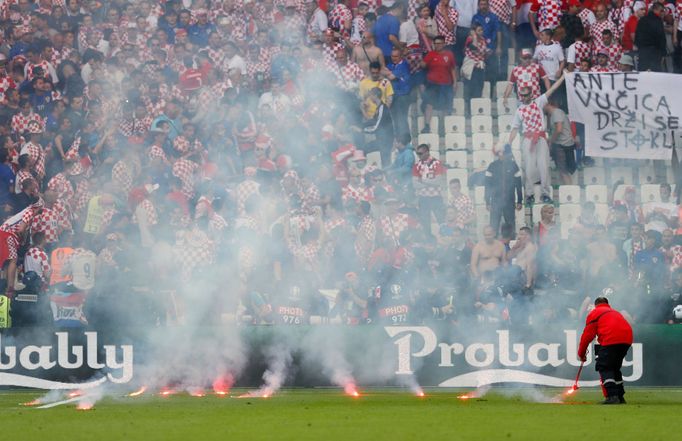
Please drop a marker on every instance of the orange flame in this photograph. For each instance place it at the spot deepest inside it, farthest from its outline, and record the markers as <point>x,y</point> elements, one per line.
<point>351,390</point>
<point>166,392</point>
<point>75,394</point>
<point>138,392</point>
<point>85,406</point>
<point>222,385</point>
<point>420,393</point>
<point>465,397</point>
<point>199,393</point>
<point>32,403</point>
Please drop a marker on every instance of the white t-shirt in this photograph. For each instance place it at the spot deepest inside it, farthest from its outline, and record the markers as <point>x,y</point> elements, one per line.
<point>666,210</point>
<point>81,265</point>
<point>319,22</point>
<point>235,62</point>
<point>550,57</point>
<point>408,33</point>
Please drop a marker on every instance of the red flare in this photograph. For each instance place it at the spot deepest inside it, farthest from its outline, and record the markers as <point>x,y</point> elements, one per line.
<point>85,406</point>
<point>32,403</point>
<point>199,393</point>
<point>351,390</point>
<point>166,392</point>
<point>420,393</point>
<point>222,385</point>
<point>138,392</point>
<point>260,393</point>
<point>74,394</point>
<point>464,397</point>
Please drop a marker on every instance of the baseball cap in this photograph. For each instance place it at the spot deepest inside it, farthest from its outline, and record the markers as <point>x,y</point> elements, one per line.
<point>602,52</point>
<point>626,60</point>
<point>526,53</point>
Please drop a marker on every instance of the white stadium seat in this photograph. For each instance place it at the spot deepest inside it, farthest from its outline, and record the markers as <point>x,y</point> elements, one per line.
<point>650,193</point>
<point>500,87</point>
<point>504,123</point>
<point>597,194</point>
<point>568,217</point>
<point>509,109</point>
<point>594,176</point>
<point>457,141</point>
<point>602,212</point>
<point>459,173</point>
<point>433,126</point>
<point>569,194</point>
<point>456,158</point>
<point>458,107</point>
<point>482,124</point>
<point>486,89</point>
<point>479,195</point>
<point>459,93</point>
<point>482,158</point>
<point>430,139</point>
<point>374,158</point>
<point>455,124</point>
<point>647,174</point>
<point>481,106</point>
<point>482,141</point>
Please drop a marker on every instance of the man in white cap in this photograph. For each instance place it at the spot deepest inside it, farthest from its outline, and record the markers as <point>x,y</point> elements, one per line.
<point>625,64</point>
<point>526,74</point>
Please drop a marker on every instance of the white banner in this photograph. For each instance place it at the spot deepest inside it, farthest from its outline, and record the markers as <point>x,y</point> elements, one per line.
<point>627,114</point>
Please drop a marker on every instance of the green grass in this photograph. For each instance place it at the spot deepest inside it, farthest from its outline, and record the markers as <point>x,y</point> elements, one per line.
<point>326,414</point>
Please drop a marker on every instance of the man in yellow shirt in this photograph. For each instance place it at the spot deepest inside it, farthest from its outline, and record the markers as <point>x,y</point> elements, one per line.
<point>375,79</point>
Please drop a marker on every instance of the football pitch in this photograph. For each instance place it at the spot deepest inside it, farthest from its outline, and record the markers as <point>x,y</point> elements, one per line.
<point>328,414</point>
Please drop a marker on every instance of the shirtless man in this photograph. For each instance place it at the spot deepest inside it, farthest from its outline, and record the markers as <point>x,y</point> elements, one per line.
<point>366,53</point>
<point>523,253</point>
<point>487,254</point>
<point>600,252</point>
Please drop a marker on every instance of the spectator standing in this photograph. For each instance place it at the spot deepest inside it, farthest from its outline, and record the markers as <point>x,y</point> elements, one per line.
<point>630,27</point>
<point>428,179</point>
<point>387,31</point>
<point>474,65</point>
<point>526,75</point>
<point>561,141</point>
<point>492,32</point>
<point>401,168</point>
<point>506,14</point>
<point>441,80</point>
<point>466,9</point>
<point>401,81</point>
<point>446,18</point>
<point>503,189</point>
<point>650,40</point>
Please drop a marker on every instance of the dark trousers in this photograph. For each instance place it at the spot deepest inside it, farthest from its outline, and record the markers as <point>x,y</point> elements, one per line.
<point>498,211</point>
<point>609,361</point>
<point>399,110</point>
<point>677,54</point>
<point>473,88</point>
<point>428,205</point>
<point>461,35</point>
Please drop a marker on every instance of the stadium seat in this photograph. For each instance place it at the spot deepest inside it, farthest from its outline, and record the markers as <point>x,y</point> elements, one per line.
<point>374,158</point>
<point>508,109</point>
<point>456,141</point>
<point>650,193</point>
<point>536,212</point>
<point>500,87</point>
<point>647,174</point>
<point>569,194</point>
<point>482,158</point>
<point>602,212</point>
<point>482,141</point>
<point>434,124</point>
<point>481,106</point>
<point>520,216</point>
<point>459,93</point>
<point>455,124</point>
<point>430,139</point>
<point>479,195</point>
<point>459,173</point>
<point>568,217</point>
<point>594,176</point>
<point>504,123</point>
<point>458,107</point>
<point>486,89</point>
<point>482,124</point>
<point>596,193</point>
<point>512,55</point>
<point>621,173</point>
<point>456,159</point>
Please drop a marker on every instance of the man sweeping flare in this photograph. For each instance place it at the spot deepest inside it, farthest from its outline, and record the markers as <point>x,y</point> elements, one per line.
<point>614,334</point>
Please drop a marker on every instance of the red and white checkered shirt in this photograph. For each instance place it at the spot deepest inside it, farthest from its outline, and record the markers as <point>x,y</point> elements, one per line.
<point>183,145</point>
<point>45,65</point>
<point>503,10</point>
<point>244,191</point>
<point>428,171</point>
<point>548,13</point>
<point>585,16</point>
<point>413,9</point>
<point>528,76</point>
<point>121,175</point>
<point>47,222</point>
<point>615,51</point>
<point>329,52</point>
<point>357,193</point>
<point>600,26</point>
<point>155,108</point>
<point>479,54</point>
<point>193,249</point>
<point>464,207</point>
<point>36,260</point>
<point>156,152</point>
<point>150,211</point>
<point>583,51</point>
<point>20,121</point>
<point>450,36</point>
<point>365,238</point>
<point>340,18</point>
<point>532,118</point>
<point>21,176</point>
<point>184,170</point>
<point>81,198</point>
<point>61,185</point>
<point>600,69</point>
<point>393,226</point>
<point>37,155</point>
<point>676,251</point>
<point>617,16</point>
<point>6,83</point>
<point>348,77</point>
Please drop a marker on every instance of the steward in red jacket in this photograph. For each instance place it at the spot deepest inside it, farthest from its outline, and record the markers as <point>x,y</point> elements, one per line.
<point>615,337</point>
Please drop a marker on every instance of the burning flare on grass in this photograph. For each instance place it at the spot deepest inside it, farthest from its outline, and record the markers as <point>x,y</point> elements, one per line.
<point>222,385</point>
<point>85,405</point>
<point>35,402</point>
<point>198,392</point>
<point>75,393</point>
<point>167,392</point>
<point>478,393</point>
<point>138,392</point>
<point>351,390</point>
<point>419,392</point>
<point>263,392</point>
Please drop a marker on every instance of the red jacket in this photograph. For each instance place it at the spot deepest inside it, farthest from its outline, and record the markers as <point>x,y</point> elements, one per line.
<point>608,325</point>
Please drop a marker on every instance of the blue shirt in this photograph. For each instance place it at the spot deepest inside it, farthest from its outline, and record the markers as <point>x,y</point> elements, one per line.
<point>401,84</point>
<point>6,183</point>
<point>198,34</point>
<point>385,26</point>
<point>404,160</point>
<point>491,26</point>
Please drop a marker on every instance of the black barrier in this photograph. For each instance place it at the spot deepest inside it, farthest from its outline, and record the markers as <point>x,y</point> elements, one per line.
<point>378,356</point>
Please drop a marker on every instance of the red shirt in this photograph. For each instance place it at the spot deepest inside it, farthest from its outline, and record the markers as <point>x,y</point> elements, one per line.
<point>628,30</point>
<point>439,67</point>
<point>608,325</point>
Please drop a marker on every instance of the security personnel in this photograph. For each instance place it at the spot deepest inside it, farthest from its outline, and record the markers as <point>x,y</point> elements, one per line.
<point>502,180</point>
<point>614,334</point>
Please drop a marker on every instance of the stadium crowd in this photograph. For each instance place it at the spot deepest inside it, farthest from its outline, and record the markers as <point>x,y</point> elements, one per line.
<point>269,154</point>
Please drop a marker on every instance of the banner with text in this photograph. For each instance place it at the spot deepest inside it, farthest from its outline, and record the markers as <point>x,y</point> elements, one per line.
<point>632,115</point>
